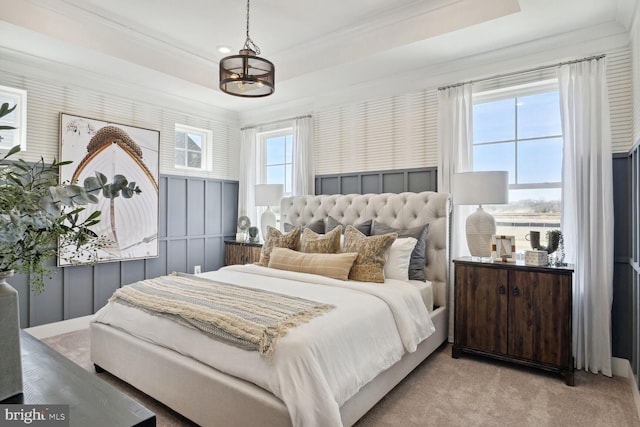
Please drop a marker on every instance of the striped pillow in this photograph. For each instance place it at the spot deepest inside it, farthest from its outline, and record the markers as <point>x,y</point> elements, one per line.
<point>336,266</point>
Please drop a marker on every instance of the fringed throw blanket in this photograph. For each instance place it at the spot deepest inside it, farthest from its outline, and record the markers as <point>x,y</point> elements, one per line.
<point>248,318</point>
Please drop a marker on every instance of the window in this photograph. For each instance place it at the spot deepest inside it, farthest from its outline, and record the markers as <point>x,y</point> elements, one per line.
<point>192,148</point>
<point>277,150</point>
<point>519,130</point>
<point>276,167</point>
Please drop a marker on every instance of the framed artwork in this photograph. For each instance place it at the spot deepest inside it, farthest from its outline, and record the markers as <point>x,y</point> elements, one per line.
<point>130,225</point>
<point>17,119</point>
<point>503,248</point>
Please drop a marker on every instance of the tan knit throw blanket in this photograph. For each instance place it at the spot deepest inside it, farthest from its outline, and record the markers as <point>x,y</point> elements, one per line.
<point>248,318</point>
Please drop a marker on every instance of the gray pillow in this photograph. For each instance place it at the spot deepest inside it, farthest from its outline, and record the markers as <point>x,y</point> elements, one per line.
<point>315,226</point>
<point>418,256</point>
<point>363,227</point>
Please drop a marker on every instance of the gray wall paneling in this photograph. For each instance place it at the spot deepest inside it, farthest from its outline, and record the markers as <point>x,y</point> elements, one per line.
<point>394,181</point>
<point>623,301</point>
<point>195,216</point>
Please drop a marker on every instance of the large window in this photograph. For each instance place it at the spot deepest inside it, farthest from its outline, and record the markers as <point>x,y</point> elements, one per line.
<point>276,167</point>
<point>278,158</point>
<point>519,130</point>
<point>192,148</point>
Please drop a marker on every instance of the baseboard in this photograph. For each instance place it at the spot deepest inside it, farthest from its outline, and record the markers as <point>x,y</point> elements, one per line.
<point>57,328</point>
<point>622,368</point>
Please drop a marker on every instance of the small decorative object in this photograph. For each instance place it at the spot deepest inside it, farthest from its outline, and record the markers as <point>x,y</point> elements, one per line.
<point>503,248</point>
<point>558,258</point>
<point>243,225</point>
<point>254,236</point>
<point>535,257</point>
<point>553,239</point>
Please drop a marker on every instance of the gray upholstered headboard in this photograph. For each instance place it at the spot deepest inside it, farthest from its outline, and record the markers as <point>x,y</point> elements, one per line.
<point>403,210</point>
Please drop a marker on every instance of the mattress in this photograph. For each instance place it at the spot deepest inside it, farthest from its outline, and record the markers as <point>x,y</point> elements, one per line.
<point>371,329</point>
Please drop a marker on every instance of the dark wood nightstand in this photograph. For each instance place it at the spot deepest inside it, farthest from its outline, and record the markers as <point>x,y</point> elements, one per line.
<point>241,252</point>
<point>515,312</point>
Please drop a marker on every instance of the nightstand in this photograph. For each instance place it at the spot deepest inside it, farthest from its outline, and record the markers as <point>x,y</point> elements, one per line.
<point>241,252</point>
<point>515,312</point>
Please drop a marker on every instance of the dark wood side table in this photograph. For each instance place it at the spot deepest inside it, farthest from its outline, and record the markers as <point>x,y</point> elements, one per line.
<point>241,252</point>
<point>515,312</point>
<point>50,378</point>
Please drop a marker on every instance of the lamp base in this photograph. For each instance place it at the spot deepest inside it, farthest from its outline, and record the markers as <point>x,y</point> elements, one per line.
<point>480,227</point>
<point>267,218</point>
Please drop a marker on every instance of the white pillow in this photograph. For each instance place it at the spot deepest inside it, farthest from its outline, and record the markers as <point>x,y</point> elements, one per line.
<point>398,257</point>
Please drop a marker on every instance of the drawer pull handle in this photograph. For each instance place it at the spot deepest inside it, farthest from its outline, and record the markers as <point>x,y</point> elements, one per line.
<point>516,291</point>
<point>502,290</point>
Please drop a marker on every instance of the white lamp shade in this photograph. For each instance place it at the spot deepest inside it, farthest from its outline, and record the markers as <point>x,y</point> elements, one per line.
<point>480,188</point>
<point>268,194</point>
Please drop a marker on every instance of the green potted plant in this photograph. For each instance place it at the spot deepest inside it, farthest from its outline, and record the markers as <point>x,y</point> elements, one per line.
<point>38,215</point>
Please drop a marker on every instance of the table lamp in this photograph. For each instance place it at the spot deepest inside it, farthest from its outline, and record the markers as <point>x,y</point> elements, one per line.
<point>480,188</point>
<point>268,195</point>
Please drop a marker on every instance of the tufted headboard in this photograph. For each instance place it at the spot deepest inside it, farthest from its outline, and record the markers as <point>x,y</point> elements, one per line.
<point>403,210</point>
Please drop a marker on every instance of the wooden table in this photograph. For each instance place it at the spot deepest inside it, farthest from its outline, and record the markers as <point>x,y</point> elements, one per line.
<point>49,378</point>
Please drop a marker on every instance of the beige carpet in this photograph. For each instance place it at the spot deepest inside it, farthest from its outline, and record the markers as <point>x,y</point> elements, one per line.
<point>443,391</point>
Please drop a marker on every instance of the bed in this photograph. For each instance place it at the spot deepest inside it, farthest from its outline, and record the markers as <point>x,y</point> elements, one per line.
<point>240,391</point>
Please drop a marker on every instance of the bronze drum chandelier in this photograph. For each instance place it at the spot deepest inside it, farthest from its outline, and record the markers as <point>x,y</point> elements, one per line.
<point>246,74</point>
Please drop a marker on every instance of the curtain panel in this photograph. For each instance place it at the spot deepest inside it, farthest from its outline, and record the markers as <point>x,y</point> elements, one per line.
<point>455,154</point>
<point>247,180</point>
<point>303,161</point>
<point>587,208</point>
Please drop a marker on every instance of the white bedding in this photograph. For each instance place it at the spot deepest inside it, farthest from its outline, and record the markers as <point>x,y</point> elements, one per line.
<point>317,366</point>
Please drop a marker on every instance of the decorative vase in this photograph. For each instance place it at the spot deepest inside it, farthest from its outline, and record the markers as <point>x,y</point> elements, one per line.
<point>10,356</point>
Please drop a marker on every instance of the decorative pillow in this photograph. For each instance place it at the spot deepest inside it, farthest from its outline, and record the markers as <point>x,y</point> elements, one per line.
<point>419,254</point>
<point>369,266</point>
<point>363,227</point>
<point>336,266</point>
<point>312,242</point>
<point>398,257</point>
<point>317,226</point>
<point>275,239</point>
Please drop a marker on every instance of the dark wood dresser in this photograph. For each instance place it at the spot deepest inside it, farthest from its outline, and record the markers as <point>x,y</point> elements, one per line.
<point>515,312</point>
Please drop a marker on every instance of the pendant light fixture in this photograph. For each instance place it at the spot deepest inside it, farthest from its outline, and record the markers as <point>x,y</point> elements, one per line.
<point>246,74</point>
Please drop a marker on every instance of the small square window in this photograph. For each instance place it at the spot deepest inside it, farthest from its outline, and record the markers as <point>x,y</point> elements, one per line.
<point>192,148</point>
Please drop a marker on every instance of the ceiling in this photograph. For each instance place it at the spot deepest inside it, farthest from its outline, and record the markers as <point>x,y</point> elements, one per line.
<point>318,47</point>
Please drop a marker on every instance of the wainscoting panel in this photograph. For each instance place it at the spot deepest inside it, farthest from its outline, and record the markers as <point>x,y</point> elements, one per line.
<point>394,181</point>
<point>195,215</point>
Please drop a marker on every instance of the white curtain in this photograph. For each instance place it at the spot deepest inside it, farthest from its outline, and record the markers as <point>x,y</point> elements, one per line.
<point>247,179</point>
<point>455,140</point>
<point>303,161</point>
<point>587,209</point>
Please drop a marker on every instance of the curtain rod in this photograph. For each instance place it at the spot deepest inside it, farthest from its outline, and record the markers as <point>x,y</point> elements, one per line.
<point>532,70</point>
<point>277,121</point>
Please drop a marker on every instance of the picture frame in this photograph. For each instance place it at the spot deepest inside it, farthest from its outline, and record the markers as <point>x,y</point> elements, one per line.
<point>17,119</point>
<point>131,225</point>
<point>503,248</point>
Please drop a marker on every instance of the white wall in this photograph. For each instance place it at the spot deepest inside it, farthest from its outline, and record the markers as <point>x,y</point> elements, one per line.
<point>53,88</point>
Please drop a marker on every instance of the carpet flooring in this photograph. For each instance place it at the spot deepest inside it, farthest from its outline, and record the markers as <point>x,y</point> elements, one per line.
<point>470,391</point>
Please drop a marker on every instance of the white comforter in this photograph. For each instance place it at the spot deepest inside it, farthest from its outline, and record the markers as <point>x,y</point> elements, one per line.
<point>317,366</point>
